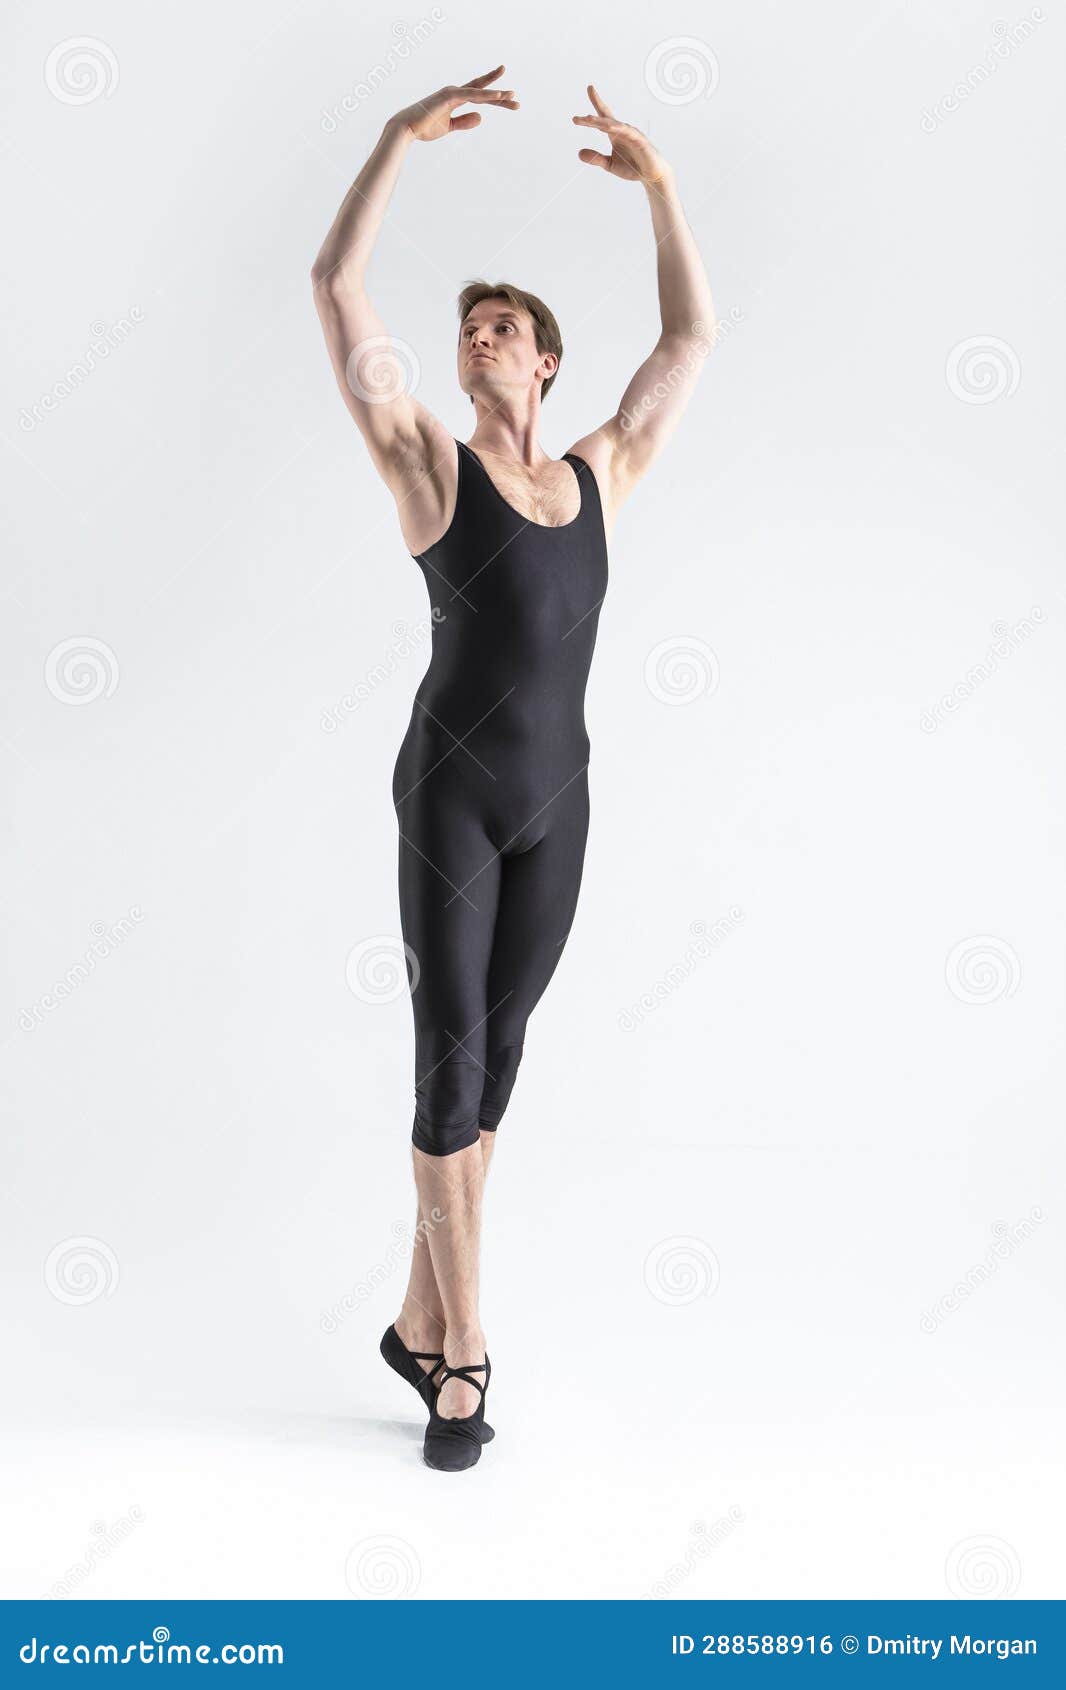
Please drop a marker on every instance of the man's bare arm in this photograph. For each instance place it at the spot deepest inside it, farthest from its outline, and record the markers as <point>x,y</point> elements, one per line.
<point>369,367</point>
<point>627,444</point>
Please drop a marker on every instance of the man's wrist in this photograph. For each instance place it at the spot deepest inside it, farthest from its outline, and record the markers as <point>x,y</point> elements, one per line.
<point>397,128</point>
<point>663,186</point>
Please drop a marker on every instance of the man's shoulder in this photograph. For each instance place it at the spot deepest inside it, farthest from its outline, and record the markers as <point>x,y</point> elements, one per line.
<point>596,449</point>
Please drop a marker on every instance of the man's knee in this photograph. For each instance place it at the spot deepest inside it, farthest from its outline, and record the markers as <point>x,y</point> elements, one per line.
<point>502,1065</point>
<point>447,1104</point>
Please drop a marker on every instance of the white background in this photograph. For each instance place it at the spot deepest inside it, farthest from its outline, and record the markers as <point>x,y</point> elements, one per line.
<point>831,1112</point>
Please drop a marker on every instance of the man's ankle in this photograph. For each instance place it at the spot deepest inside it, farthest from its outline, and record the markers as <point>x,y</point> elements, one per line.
<point>465,1347</point>
<point>419,1330</point>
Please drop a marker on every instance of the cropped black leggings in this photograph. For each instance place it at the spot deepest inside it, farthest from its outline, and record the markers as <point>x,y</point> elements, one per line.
<point>485,918</point>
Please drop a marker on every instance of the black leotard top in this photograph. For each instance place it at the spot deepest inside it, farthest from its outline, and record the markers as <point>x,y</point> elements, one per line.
<point>515,610</point>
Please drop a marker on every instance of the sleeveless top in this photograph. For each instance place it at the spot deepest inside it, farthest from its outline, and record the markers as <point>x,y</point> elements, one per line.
<point>515,607</point>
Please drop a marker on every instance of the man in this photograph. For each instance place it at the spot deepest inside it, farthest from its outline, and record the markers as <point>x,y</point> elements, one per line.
<point>490,787</point>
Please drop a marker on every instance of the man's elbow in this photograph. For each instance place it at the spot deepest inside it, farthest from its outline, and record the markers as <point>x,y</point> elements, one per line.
<point>330,281</point>
<point>322,274</point>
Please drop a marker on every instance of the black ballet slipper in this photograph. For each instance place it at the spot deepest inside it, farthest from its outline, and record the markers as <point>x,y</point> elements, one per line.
<point>405,1362</point>
<point>452,1445</point>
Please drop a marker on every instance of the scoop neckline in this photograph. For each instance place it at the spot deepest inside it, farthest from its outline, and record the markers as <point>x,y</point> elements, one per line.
<point>548,527</point>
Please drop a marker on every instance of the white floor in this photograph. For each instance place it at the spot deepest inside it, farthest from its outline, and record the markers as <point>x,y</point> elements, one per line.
<point>339,1505</point>
<point>764,1419</point>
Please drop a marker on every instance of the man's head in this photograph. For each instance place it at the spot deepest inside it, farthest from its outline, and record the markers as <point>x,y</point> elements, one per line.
<point>507,338</point>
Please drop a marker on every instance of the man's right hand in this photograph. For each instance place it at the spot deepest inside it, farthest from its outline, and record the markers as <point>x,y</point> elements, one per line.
<point>429,119</point>
<point>412,451</point>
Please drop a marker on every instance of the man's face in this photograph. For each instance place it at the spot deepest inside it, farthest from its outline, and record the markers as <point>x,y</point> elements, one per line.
<point>498,350</point>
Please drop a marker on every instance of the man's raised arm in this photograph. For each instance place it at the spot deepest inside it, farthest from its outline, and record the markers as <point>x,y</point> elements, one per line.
<point>369,368</point>
<point>625,446</point>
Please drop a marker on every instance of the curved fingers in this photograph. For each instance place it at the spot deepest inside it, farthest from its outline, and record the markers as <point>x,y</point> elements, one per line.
<point>484,96</point>
<point>486,77</point>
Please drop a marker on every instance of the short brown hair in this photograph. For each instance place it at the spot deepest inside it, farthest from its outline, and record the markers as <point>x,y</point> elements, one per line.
<point>545,328</point>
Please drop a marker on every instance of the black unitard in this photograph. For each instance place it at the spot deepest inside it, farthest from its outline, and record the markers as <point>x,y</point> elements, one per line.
<point>491,791</point>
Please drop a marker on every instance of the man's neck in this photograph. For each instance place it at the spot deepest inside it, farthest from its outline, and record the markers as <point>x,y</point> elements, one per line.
<point>509,431</point>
